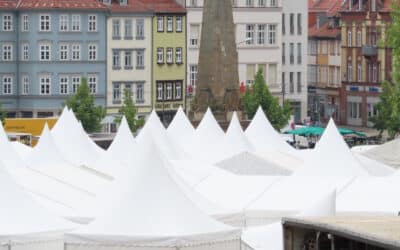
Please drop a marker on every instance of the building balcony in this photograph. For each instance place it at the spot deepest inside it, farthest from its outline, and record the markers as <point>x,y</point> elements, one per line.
<point>369,50</point>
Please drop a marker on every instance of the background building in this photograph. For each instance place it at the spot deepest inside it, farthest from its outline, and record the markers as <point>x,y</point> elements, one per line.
<point>365,63</point>
<point>258,40</point>
<point>294,51</point>
<point>324,60</point>
<point>46,48</point>
<point>129,64</point>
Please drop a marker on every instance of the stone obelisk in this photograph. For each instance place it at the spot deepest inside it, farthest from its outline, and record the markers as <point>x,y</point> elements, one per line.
<point>218,78</point>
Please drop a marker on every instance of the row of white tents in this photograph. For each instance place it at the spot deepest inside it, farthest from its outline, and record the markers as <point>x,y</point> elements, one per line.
<point>181,187</point>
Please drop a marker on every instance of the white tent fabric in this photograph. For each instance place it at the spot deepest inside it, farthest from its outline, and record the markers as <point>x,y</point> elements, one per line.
<point>10,158</point>
<point>235,140</point>
<point>22,150</point>
<point>24,222</point>
<point>370,196</point>
<point>163,216</point>
<point>180,130</point>
<point>362,148</point>
<point>247,163</point>
<point>373,167</point>
<point>388,153</point>
<point>47,159</point>
<point>331,157</point>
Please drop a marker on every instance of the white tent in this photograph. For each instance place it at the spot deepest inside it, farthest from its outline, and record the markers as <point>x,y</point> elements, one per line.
<point>235,140</point>
<point>22,150</point>
<point>373,167</point>
<point>371,196</point>
<point>180,130</point>
<point>153,213</point>
<point>47,159</point>
<point>388,153</point>
<point>24,224</point>
<point>331,157</point>
<point>10,158</point>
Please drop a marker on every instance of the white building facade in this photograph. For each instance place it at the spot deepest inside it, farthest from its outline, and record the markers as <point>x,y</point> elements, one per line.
<point>129,64</point>
<point>294,55</point>
<point>258,38</point>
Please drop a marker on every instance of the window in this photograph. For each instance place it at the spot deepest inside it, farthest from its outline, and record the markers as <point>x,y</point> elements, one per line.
<point>7,52</point>
<point>45,52</point>
<point>354,110</point>
<point>283,83</point>
<point>283,53</point>
<point>291,53</point>
<point>178,55</point>
<point>7,85</point>
<point>299,58</point>
<point>160,24</point>
<point>128,29</point>
<point>291,23</point>
<point>139,93</point>
<point>312,47</point>
<point>170,23</point>
<point>373,5</point>
<point>272,73</point>
<point>45,84</point>
<point>139,59</point>
<point>372,109</point>
<point>64,22</point>
<point>249,3</point>
<point>76,52</point>
<point>291,82</point>
<point>170,55</point>
<point>261,34</point>
<point>178,24</point>
<point>76,22</point>
<point>160,55</point>
<point>283,24</point>
<point>261,3</point>
<point>92,80</point>
<point>116,60</point>
<point>44,23</point>
<point>359,38</point>
<point>324,47</point>
<point>359,72</point>
<point>349,38</point>
<point>299,82</point>
<point>64,52</point>
<point>92,23</point>
<point>25,85</point>
<point>168,94</point>
<point>178,90</point>
<point>128,60</point>
<point>250,71</point>
<point>140,29</point>
<point>273,3</point>
<point>324,74</point>
<point>7,23</point>
<point>193,3</point>
<point>299,30</point>
<point>116,93</point>
<point>116,29</point>
<point>25,23</point>
<point>250,34</point>
<point>193,75</point>
<point>160,92</point>
<point>349,72</point>
<point>374,73</point>
<point>63,85</point>
<point>76,80</point>
<point>25,52</point>
<point>92,52</point>
<point>272,34</point>
<point>194,35</point>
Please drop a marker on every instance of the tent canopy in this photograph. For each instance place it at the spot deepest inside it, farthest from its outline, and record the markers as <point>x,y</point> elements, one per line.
<point>318,131</point>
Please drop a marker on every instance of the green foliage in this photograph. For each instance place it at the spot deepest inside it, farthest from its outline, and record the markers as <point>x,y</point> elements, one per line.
<point>388,109</point>
<point>82,103</point>
<point>259,95</point>
<point>129,110</point>
<point>3,114</point>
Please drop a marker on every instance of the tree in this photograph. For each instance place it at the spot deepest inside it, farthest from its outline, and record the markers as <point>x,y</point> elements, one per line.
<point>82,103</point>
<point>2,114</point>
<point>388,109</point>
<point>129,110</point>
<point>259,95</point>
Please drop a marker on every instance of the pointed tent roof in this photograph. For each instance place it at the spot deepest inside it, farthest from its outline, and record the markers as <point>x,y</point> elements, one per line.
<point>323,206</point>
<point>235,139</point>
<point>180,130</point>
<point>388,153</point>
<point>22,150</point>
<point>20,216</point>
<point>140,204</point>
<point>341,160</point>
<point>9,156</point>
<point>209,126</point>
<point>373,167</point>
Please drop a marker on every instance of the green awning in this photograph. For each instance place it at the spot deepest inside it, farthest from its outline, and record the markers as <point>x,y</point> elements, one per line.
<point>318,131</point>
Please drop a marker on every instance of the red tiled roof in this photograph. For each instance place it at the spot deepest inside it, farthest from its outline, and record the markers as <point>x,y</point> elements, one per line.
<point>61,4</point>
<point>324,32</point>
<point>331,7</point>
<point>8,4</point>
<point>387,5</point>
<point>164,6</point>
<point>133,6</point>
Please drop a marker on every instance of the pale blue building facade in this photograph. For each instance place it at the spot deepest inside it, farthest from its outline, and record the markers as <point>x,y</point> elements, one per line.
<point>51,50</point>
